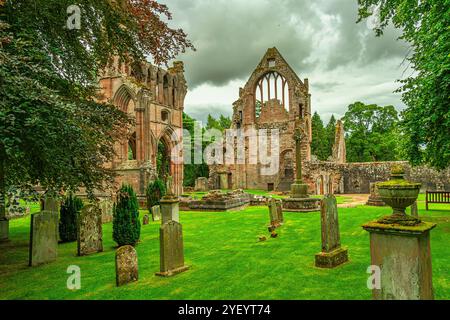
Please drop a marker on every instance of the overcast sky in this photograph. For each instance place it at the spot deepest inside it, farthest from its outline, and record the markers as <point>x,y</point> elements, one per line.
<point>320,39</point>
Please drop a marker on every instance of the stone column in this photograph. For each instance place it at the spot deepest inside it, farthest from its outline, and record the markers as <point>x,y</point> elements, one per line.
<point>415,210</point>
<point>404,256</point>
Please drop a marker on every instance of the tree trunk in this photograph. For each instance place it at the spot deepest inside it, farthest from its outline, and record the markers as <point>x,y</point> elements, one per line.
<point>4,223</point>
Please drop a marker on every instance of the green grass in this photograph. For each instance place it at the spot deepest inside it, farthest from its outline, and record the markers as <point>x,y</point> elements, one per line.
<point>226,259</point>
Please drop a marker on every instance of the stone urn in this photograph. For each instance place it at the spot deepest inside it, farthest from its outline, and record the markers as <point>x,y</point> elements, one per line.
<point>399,194</point>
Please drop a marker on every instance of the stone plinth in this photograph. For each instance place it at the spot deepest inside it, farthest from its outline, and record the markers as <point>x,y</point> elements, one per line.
<point>301,205</point>
<point>217,201</point>
<point>299,191</point>
<point>374,198</point>
<point>171,249</point>
<point>332,255</point>
<point>43,238</point>
<point>404,256</point>
<point>126,265</point>
<point>169,210</point>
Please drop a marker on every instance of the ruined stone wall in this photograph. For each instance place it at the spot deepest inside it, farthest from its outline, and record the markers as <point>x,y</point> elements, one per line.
<point>155,98</point>
<point>323,177</point>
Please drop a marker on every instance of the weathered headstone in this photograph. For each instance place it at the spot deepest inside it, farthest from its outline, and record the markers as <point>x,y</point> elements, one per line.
<point>332,254</point>
<point>50,204</point>
<point>90,238</point>
<point>106,206</point>
<point>156,213</point>
<point>273,214</point>
<point>171,249</point>
<point>414,210</point>
<point>43,238</point>
<point>145,220</point>
<point>201,184</point>
<point>280,215</point>
<point>126,265</point>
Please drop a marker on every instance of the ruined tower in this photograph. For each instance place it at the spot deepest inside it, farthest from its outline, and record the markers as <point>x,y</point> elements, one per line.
<point>274,97</point>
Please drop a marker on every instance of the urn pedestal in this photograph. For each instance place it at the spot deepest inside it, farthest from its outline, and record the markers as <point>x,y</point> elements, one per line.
<point>404,257</point>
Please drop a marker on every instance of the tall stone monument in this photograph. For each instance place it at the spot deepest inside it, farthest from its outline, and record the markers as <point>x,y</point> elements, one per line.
<point>332,253</point>
<point>400,244</point>
<point>169,204</point>
<point>299,200</point>
<point>90,238</point>
<point>126,265</point>
<point>171,249</point>
<point>43,238</point>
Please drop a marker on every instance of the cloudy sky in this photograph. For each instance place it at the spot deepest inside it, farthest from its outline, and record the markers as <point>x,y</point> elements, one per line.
<point>320,39</point>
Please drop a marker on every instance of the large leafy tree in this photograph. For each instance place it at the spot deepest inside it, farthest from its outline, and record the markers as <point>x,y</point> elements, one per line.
<point>53,132</point>
<point>426,120</point>
<point>371,133</point>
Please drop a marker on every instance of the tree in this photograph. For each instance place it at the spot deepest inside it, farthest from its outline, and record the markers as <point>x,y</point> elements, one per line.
<point>330,132</point>
<point>155,191</point>
<point>53,131</point>
<point>192,170</point>
<point>68,218</point>
<point>126,224</point>
<point>319,143</point>
<point>371,133</point>
<point>426,120</point>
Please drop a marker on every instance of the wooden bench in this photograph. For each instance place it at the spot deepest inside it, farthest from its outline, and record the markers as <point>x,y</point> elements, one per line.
<point>437,197</point>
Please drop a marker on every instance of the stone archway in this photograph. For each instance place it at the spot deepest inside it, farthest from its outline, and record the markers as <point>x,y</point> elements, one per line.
<point>169,159</point>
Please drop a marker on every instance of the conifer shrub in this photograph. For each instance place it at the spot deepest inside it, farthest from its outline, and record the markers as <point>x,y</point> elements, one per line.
<point>126,224</point>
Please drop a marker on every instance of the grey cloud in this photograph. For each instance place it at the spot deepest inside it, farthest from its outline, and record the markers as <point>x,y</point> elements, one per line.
<point>231,36</point>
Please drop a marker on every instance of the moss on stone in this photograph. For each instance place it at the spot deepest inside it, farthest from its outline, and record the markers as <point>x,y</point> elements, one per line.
<point>398,184</point>
<point>421,227</point>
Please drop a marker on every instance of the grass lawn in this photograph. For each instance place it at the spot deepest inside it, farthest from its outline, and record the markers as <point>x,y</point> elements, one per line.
<point>226,259</point>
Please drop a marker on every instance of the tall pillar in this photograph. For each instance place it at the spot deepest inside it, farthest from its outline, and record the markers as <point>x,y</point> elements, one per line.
<point>4,223</point>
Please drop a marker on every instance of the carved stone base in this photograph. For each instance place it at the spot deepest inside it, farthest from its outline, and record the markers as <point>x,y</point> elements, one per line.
<point>173,272</point>
<point>331,259</point>
<point>375,202</point>
<point>301,205</point>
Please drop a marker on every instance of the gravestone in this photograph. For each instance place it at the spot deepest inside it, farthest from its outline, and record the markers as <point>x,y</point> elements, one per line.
<point>126,265</point>
<point>145,220</point>
<point>156,213</point>
<point>201,184</point>
<point>106,206</point>
<point>171,249</point>
<point>50,204</point>
<point>275,213</point>
<point>90,238</point>
<point>332,254</point>
<point>43,238</point>
<point>280,215</point>
<point>414,210</point>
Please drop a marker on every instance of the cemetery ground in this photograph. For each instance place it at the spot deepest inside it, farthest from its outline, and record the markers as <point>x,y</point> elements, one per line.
<point>226,258</point>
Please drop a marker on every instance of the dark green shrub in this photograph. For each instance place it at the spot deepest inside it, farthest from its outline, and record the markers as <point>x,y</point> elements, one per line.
<point>155,191</point>
<point>126,224</point>
<point>68,218</point>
